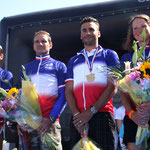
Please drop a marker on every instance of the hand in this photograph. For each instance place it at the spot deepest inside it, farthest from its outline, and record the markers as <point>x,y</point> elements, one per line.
<point>82,118</point>
<point>140,121</point>
<point>144,109</point>
<point>44,126</point>
<point>80,129</point>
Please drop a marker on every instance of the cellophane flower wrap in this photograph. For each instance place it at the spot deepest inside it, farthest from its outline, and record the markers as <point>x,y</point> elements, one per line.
<point>22,106</point>
<point>136,82</point>
<point>85,143</point>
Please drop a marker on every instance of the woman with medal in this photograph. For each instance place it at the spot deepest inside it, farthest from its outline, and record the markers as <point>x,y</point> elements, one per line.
<point>88,91</point>
<point>133,118</point>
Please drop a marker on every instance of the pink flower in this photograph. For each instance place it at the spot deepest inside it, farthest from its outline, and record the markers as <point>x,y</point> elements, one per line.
<point>134,75</point>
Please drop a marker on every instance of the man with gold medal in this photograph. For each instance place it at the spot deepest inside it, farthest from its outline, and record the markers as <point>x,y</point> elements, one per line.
<point>88,91</point>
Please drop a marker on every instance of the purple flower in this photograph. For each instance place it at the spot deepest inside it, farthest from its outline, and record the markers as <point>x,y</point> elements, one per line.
<point>134,75</point>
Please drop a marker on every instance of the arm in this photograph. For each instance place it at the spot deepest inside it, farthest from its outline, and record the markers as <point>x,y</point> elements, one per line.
<point>118,124</point>
<point>144,112</point>
<point>86,115</point>
<point>126,101</point>
<point>70,98</point>
<point>109,92</point>
<point>144,109</point>
<point>71,101</point>
<point>61,101</point>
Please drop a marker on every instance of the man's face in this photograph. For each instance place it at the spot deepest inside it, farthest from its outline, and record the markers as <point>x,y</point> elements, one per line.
<point>89,33</point>
<point>41,44</point>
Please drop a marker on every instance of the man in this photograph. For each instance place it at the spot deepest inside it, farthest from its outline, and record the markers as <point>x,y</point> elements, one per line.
<point>48,77</point>
<point>6,75</point>
<point>88,92</point>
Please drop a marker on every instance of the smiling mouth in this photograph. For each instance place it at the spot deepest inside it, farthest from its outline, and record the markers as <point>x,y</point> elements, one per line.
<point>88,37</point>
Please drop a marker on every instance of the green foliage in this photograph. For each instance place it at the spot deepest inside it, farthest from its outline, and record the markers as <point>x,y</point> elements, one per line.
<point>6,81</point>
<point>24,73</point>
<point>135,54</point>
<point>138,55</point>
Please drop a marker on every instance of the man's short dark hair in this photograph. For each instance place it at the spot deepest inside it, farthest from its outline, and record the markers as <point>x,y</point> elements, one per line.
<point>89,19</point>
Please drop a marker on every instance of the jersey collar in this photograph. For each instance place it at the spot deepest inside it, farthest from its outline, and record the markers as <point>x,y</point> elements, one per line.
<point>47,56</point>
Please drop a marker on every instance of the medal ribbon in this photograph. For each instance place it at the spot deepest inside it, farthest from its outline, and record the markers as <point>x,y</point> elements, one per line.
<point>90,66</point>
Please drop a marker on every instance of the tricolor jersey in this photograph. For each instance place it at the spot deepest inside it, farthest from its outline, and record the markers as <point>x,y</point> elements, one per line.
<point>128,56</point>
<point>87,93</point>
<point>48,76</point>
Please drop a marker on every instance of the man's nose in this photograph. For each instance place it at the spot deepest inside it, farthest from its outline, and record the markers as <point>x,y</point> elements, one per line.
<point>88,32</point>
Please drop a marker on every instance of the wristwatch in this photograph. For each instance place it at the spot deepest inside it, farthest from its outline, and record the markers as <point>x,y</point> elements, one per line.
<point>52,119</point>
<point>94,110</point>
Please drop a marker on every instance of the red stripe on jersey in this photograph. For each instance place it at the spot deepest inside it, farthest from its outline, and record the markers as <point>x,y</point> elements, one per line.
<point>46,104</point>
<point>92,93</point>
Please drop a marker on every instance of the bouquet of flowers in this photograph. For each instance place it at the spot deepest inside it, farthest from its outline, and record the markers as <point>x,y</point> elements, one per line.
<point>22,106</point>
<point>85,143</point>
<point>136,82</point>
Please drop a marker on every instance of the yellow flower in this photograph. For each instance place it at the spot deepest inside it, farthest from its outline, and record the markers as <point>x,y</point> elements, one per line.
<point>13,92</point>
<point>145,68</point>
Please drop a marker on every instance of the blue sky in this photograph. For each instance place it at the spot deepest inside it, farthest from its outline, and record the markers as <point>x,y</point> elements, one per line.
<point>17,7</point>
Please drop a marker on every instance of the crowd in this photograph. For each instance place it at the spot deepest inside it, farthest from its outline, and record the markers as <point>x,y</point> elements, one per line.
<point>86,89</point>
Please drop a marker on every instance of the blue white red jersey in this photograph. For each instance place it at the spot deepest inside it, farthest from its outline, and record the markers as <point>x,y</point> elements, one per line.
<point>48,76</point>
<point>87,93</point>
<point>128,56</point>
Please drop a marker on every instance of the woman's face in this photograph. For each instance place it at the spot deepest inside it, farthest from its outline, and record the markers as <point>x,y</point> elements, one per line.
<point>137,26</point>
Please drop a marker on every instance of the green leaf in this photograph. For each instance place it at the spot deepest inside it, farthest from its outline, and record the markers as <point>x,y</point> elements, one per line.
<point>135,55</point>
<point>24,73</point>
<point>117,72</point>
<point>6,81</point>
<point>3,92</point>
<point>141,51</point>
<point>143,34</point>
<point>118,75</point>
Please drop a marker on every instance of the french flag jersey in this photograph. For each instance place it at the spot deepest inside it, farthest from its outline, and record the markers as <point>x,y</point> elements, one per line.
<point>48,76</point>
<point>87,93</point>
<point>128,56</point>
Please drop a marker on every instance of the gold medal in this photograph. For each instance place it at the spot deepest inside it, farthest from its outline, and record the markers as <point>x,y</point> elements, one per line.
<point>90,77</point>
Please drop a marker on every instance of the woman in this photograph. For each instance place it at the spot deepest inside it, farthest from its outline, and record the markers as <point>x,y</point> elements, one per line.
<point>133,117</point>
<point>4,75</point>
